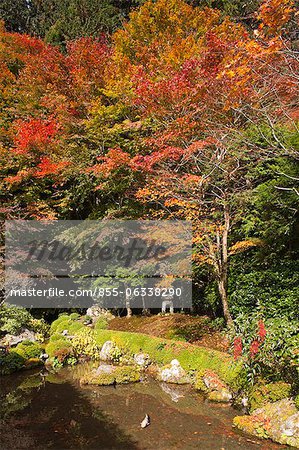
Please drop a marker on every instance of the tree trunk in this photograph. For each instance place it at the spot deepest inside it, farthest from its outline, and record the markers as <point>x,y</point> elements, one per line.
<point>223,295</point>
<point>222,248</point>
<point>128,306</point>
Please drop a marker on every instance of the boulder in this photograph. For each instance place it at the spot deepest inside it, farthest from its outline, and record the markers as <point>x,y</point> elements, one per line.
<point>11,340</point>
<point>142,359</point>
<point>106,375</point>
<point>209,382</point>
<point>95,312</point>
<point>278,421</point>
<point>222,396</point>
<point>109,351</point>
<point>173,373</point>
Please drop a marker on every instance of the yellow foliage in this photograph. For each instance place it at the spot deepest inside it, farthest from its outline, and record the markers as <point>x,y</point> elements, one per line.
<point>242,246</point>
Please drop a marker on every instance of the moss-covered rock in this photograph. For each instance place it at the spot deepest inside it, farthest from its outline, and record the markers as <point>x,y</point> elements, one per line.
<point>126,374</point>
<point>222,396</point>
<point>28,349</point>
<point>32,362</point>
<point>278,421</point>
<point>107,375</point>
<point>209,382</point>
<point>268,393</point>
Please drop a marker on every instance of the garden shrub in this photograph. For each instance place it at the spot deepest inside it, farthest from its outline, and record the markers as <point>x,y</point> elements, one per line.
<point>53,346</point>
<point>28,349</point>
<point>84,344</point>
<point>275,290</point>
<point>11,362</point>
<point>101,324</point>
<point>274,354</point>
<point>13,319</point>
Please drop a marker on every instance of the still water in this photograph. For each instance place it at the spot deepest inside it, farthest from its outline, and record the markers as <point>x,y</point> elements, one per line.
<point>51,410</point>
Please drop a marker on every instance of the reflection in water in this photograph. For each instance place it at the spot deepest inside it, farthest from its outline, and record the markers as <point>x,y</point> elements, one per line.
<point>58,413</point>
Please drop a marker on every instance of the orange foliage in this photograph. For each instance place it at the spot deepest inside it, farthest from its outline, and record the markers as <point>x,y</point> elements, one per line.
<point>274,14</point>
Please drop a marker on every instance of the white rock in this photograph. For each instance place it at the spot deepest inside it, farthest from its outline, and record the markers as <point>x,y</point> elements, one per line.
<point>142,359</point>
<point>173,374</point>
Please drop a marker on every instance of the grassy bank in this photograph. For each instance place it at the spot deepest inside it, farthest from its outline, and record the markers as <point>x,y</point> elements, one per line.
<point>87,341</point>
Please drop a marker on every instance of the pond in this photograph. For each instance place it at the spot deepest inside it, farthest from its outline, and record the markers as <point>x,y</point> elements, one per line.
<point>42,410</point>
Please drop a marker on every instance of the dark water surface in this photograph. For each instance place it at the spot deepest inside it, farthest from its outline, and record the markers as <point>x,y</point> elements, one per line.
<point>55,412</point>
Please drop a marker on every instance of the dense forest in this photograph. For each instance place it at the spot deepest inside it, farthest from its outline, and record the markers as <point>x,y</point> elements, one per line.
<point>167,109</point>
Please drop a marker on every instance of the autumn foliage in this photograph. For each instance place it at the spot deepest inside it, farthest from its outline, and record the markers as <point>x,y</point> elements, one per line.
<point>161,114</point>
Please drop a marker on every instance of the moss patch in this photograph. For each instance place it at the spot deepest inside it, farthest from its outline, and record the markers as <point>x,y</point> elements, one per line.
<point>163,351</point>
<point>253,425</point>
<point>88,341</point>
<point>28,349</point>
<point>119,375</point>
<point>268,393</point>
<point>58,345</point>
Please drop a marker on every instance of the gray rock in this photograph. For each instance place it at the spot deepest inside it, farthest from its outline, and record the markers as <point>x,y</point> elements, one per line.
<point>12,341</point>
<point>291,426</point>
<point>95,312</point>
<point>108,351</point>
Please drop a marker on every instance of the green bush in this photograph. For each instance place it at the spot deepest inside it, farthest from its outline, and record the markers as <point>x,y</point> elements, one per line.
<point>28,349</point>
<point>101,324</point>
<point>276,355</point>
<point>40,326</point>
<point>13,319</point>
<point>60,344</point>
<point>74,316</point>
<point>268,393</point>
<point>84,344</point>
<point>11,362</point>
